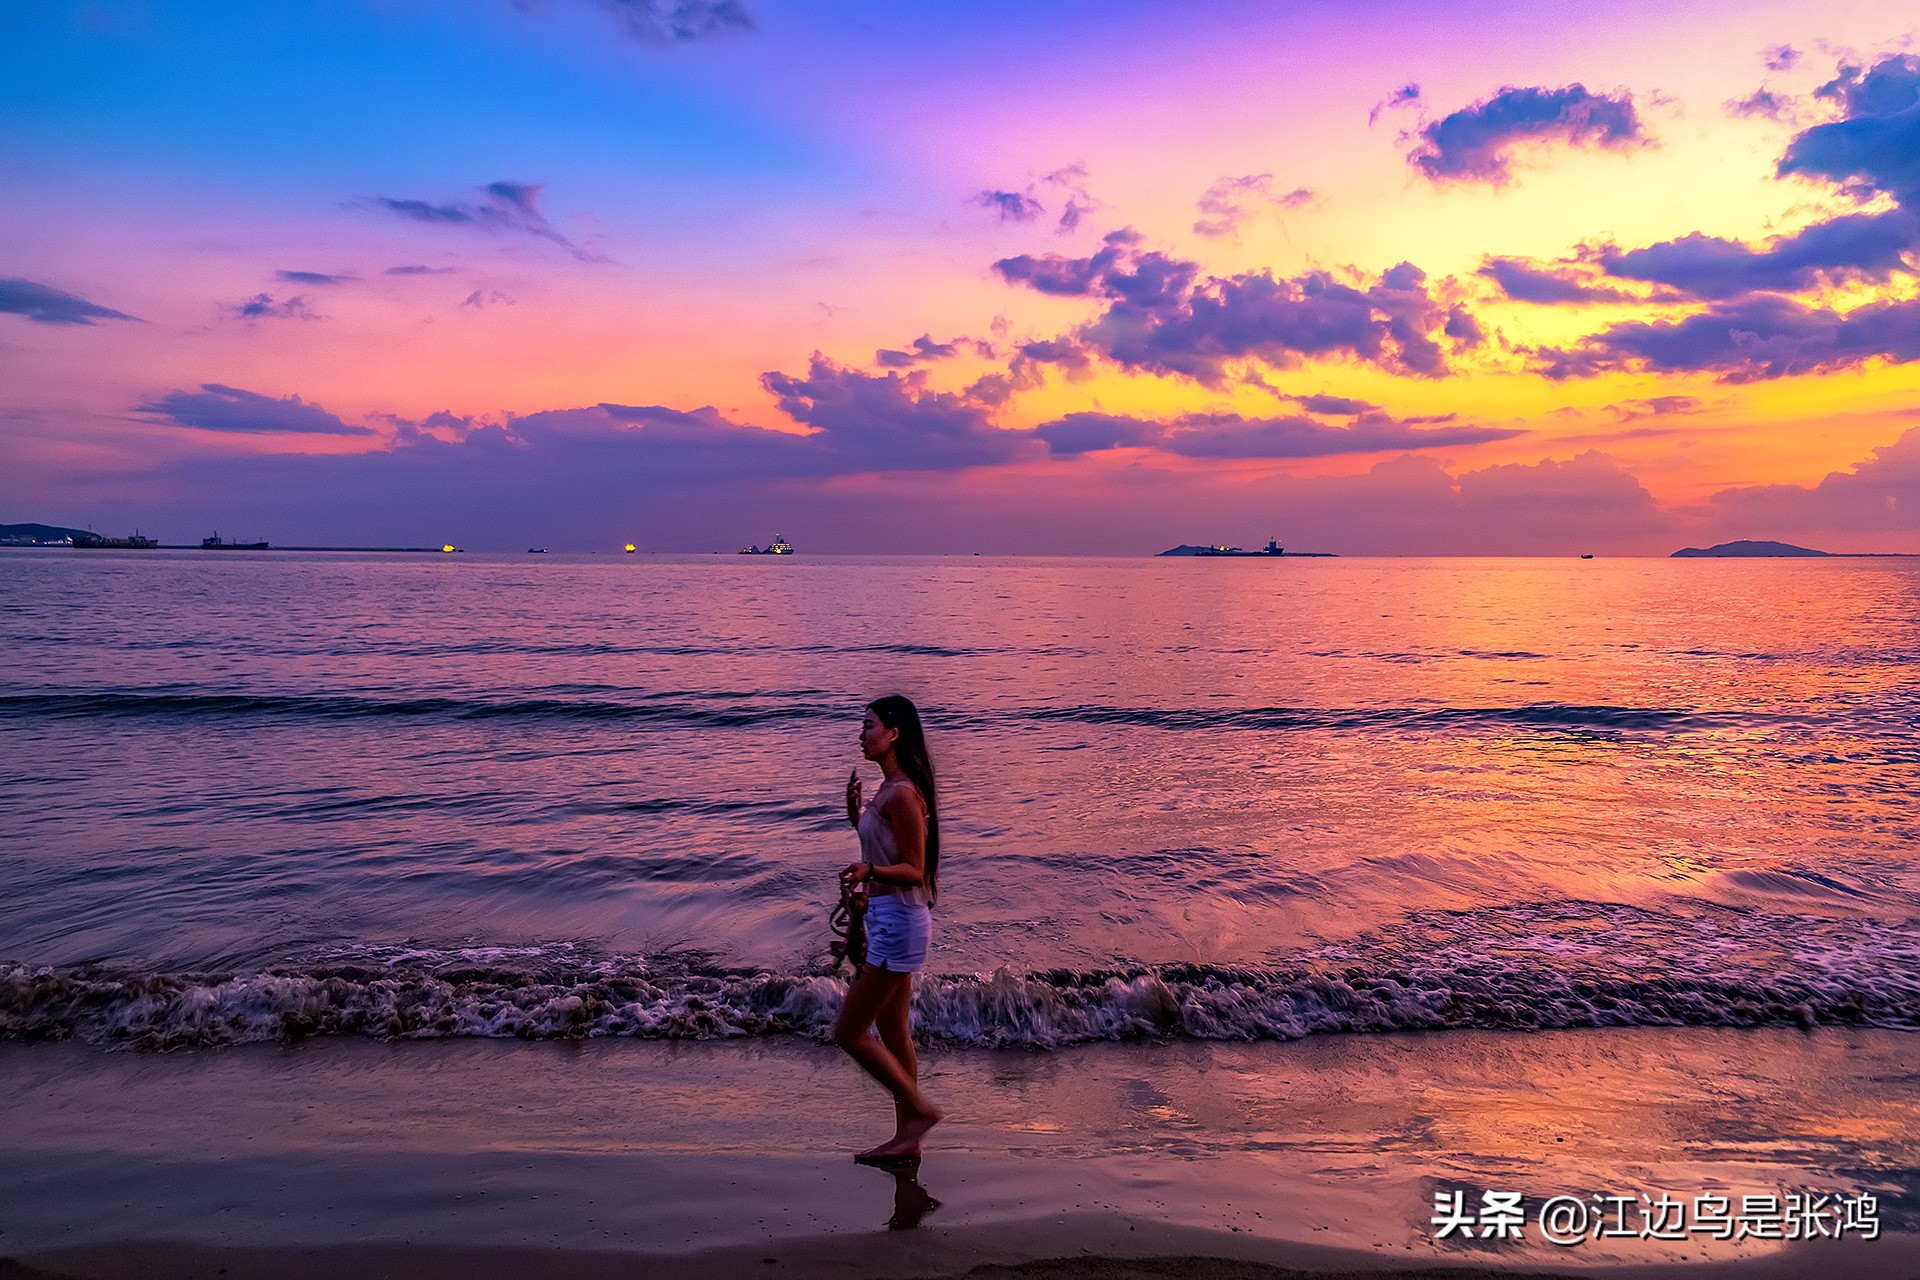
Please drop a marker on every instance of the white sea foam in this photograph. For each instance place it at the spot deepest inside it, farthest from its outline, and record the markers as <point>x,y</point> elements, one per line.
<point>1517,968</point>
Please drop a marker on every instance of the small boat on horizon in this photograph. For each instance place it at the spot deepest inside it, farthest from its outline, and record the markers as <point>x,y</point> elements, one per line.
<point>778,547</point>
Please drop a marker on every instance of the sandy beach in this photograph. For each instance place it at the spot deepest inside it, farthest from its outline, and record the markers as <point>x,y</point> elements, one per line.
<point>491,1159</point>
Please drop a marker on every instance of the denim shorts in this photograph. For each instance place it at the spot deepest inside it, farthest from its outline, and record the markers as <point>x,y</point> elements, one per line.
<point>897,934</point>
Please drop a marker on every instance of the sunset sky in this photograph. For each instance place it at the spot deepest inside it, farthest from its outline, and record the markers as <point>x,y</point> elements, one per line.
<point>1390,278</point>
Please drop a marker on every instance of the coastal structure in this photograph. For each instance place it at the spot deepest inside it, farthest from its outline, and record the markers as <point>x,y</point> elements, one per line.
<point>778,547</point>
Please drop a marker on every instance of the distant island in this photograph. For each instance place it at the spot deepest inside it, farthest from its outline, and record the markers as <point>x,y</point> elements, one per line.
<point>41,535</point>
<point>1757,550</point>
<point>1747,548</point>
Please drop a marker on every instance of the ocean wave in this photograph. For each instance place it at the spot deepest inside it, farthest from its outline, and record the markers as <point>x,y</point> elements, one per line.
<point>1546,716</point>
<point>414,993</point>
<point>521,647</point>
<point>752,710</point>
<point>321,706</point>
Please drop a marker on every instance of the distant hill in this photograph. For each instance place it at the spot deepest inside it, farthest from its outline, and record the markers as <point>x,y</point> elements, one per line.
<point>34,535</point>
<point>1185,550</point>
<point>1747,548</point>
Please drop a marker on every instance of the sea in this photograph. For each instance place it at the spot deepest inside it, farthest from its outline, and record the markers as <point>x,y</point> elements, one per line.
<point>266,797</point>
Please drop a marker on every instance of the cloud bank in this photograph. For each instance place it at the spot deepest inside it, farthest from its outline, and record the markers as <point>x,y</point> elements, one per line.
<point>1162,318</point>
<point>219,408</point>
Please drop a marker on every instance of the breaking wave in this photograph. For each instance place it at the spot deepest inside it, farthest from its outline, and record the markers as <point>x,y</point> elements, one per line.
<point>1857,974</point>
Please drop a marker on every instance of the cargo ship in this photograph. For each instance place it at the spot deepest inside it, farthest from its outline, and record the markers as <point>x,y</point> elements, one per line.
<point>1273,548</point>
<point>217,543</point>
<point>132,542</point>
<point>778,547</point>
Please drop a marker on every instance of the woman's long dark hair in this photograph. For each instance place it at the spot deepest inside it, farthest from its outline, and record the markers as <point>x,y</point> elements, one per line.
<point>910,749</point>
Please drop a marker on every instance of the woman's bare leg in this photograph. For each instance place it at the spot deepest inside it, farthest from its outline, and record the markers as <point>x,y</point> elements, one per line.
<point>867,995</point>
<point>895,1025</point>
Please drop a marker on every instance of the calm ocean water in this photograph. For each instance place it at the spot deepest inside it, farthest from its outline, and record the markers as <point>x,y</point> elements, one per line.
<point>254,796</point>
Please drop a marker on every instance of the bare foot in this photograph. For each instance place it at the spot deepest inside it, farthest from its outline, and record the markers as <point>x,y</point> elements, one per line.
<point>907,1141</point>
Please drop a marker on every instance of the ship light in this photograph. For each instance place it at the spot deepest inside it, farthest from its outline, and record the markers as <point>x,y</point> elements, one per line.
<point>447,547</point>
<point>630,548</point>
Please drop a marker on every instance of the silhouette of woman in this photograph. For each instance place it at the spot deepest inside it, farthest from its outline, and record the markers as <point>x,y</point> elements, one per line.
<point>899,864</point>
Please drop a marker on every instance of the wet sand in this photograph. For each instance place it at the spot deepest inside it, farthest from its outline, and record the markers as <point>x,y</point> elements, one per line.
<point>488,1159</point>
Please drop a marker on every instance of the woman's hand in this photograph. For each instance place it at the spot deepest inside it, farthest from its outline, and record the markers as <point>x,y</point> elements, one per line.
<point>854,873</point>
<point>853,797</point>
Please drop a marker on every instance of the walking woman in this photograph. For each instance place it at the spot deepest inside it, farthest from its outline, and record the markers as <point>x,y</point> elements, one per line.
<point>899,865</point>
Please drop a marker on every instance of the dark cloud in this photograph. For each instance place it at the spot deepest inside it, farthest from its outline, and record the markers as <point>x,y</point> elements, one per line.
<point>1068,182</point>
<point>1861,246</point>
<point>218,408</point>
<point>1782,57</point>
<point>1748,339</point>
<point>1071,181</point>
<point>1228,435</point>
<point>1464,327</point>
<point>1549,284</point>
<point>1405,96</point>
<point>1341,405</point>
<point>890,422</point>
<point>1027,369</point>
<point>924,348</point>
<point>1079,433</point>
<point>43,304</point>
<point>1656,407</point>
<point>313,277</point>
<point>481,299</point>
<point>655,445</point>
<point>503,207</point>
<point>1876,146</point>
<point>1762,103</point>
<point>1886,88</point>
<point>1231,202</point>
<point>1161,318</point>
<point>668,22</point>
<point>1068,277</point>
<point>1475,144</point>
<point>262,306</point>
<point>418,271</point>
<point>1011,206</point>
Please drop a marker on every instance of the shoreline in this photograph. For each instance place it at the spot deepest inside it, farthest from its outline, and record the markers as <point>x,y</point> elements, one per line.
<point>1079,1248</point>
<point>483,1160</point>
